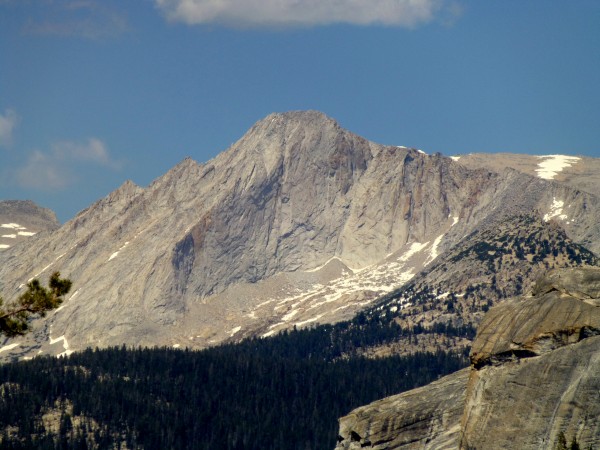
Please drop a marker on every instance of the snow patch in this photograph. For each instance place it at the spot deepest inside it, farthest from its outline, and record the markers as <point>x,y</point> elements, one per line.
<point>376,280</point>
<point>9,347</point>
<point>67,350</point>
<point>433,252</point>
<point>555,210</point>
<point>4,246</point>
<point>421,151</point>
<point>176,345</point>
<point>26,233</point>
<point>46,268</point>
<point>12,225</point>
<point>455,158</point>
<point>235,330</point>
<point>114,255</point>
<point>551,165</point>
<point>9,236</point>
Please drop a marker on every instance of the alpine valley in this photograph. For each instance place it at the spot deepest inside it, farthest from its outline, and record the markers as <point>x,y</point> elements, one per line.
<point>302,226</point>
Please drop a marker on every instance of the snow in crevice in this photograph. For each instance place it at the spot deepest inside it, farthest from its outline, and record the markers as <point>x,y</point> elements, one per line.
<point>9,347</point>
<point>115,254</point>
<point>433,252</point>
<point>46,268</point>
<point>68,300</point>
<point>556,210</point>
<point>67,350</point>
<point>235,330</point>
<point>551,165</point>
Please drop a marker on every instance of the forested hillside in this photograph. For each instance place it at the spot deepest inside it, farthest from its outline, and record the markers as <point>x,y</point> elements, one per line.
<point>280,393</point>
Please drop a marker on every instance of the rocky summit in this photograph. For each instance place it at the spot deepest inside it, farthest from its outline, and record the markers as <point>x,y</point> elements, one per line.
<point>533,377</point>
<point>300,222</point>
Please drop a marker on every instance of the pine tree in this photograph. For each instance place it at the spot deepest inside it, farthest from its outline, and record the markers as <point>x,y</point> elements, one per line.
<point>35,301</point>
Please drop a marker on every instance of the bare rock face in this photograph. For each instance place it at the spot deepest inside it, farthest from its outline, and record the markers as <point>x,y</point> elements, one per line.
<point>299,222</point>
<point>534,374</point>
<point>427,417</point>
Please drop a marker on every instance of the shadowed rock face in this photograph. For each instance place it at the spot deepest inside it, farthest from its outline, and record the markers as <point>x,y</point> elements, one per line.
<point>535,373</point>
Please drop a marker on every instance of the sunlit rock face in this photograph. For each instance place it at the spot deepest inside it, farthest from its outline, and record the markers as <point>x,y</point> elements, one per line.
<point>299,222</point>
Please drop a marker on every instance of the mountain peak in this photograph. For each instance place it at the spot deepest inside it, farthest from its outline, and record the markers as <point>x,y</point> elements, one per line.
<point>299,116</point>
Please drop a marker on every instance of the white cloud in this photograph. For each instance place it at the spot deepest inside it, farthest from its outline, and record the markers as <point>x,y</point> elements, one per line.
<point>88,19</point>
<point>42,171</point>
<point>93,151</point>
<point>8,122</point>
<point>302,13</point>
<point>55,169</point>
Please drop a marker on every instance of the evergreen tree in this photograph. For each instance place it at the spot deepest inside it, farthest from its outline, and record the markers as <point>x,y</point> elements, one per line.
<point>36,300</point>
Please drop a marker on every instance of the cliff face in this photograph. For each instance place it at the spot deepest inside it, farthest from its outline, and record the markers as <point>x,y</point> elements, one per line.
<point>299,222</point>
<point>534,374</point>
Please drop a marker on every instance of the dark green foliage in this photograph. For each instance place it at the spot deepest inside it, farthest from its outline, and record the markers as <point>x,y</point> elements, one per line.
<point>36,300</point>
<point>285,392</point>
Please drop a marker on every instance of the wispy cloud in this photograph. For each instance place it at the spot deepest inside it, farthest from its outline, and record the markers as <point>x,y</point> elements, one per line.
<point>89,19</point>
<point>56,169</point>
<point>8,122</point>
<point>303,13</point>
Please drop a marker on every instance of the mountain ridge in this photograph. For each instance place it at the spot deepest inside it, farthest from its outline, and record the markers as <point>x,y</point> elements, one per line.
<point>299,222</point>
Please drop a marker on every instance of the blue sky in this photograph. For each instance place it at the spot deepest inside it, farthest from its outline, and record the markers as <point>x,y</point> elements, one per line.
<point>95,92</point>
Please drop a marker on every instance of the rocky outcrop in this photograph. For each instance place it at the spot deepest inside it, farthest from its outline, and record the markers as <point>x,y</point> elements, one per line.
<point>534,374</point>
<point>427,417</point>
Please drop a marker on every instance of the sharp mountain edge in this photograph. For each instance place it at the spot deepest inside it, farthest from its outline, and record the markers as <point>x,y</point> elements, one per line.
<point>299,222</point>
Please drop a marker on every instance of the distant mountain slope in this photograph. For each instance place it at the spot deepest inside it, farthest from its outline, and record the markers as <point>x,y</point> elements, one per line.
<point>20,219</point>
<point>490,265</point>
<point>300,222</point>
<point>580,172</point>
